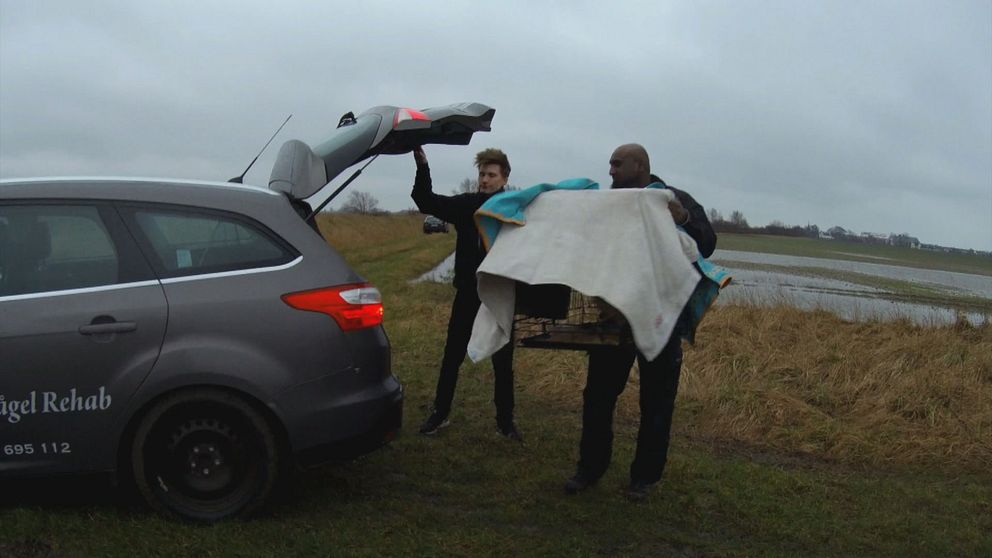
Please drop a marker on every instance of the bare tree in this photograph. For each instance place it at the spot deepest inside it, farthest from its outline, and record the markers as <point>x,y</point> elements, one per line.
<point>467,185</point>
<point>715,216</point>
<point>737,218</point>
<point>361,202</point>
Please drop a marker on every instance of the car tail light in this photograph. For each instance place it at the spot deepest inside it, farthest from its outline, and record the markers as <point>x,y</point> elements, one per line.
<point>354,306</point>
<point>404,114</point>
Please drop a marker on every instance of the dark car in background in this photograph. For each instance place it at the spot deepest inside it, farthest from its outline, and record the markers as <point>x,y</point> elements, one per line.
<point>197,338</point>
<point>434,225</point>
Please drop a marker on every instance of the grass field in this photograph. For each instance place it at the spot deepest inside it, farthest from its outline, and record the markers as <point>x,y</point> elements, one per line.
<point>796,434</point>
<point>870,253</point>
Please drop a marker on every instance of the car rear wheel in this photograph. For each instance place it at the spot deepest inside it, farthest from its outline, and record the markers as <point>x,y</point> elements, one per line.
<point>205,455</point>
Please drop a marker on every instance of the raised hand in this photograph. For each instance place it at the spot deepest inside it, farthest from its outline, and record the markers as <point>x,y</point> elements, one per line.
<point>419,156</point>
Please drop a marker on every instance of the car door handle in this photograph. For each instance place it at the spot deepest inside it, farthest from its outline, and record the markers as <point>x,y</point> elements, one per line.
<point>112,327</point>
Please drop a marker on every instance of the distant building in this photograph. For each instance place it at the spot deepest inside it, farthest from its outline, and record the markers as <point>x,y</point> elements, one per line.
<point>904,240</point>
<point>874,238</point>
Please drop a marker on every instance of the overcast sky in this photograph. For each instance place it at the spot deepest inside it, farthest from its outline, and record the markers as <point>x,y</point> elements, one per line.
<point>874,116</point>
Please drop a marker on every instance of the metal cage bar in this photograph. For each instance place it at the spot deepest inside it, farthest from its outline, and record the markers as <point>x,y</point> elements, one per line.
<point>588,323</point>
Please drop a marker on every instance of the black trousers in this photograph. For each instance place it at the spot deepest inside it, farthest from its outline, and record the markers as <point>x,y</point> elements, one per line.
<point>609,369</point>
<point>463,311</point>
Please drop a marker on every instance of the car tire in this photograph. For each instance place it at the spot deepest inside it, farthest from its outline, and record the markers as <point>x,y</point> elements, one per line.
<point>205,455</point>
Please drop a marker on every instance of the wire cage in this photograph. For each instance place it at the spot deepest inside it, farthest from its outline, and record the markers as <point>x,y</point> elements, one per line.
<point>557,317</point>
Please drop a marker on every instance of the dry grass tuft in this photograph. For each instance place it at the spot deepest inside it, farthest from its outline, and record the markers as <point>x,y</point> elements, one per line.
<point>790,381</point>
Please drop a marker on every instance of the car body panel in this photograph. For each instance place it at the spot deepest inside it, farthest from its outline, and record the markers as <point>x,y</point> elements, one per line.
<point>60,352</point>
<point>47,360</point>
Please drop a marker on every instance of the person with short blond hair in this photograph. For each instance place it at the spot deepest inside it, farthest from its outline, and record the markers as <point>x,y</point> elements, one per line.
<point>459,210</point>
<point>493,156</point>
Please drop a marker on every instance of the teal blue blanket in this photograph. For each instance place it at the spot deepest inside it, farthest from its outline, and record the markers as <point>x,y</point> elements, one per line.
<point>508,207</point>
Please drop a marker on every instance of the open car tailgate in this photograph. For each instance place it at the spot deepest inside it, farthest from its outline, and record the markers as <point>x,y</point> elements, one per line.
<point>300,171</point>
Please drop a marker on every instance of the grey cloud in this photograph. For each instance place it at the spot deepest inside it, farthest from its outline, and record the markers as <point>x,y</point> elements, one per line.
<point>875,116</point>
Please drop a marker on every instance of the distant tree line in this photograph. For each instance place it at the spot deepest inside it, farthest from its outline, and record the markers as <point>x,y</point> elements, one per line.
<point>737,223</point>
<point>366,204</point>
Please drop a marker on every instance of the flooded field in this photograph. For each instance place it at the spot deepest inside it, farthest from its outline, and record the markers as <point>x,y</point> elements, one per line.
<point>978,285</point>
<point>850,289</point>
<point>927,297</point>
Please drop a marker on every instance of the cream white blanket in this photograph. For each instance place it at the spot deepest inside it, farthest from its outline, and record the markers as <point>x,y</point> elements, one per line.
<point>619,245</point>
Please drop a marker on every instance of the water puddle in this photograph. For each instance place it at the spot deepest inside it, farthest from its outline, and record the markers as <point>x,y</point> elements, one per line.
<point>443,273</point>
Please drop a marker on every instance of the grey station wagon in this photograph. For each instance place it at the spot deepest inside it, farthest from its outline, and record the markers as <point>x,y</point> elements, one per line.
<point>197,338</point>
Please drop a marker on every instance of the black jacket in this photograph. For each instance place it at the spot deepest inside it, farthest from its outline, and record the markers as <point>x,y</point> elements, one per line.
<point>698,227</point>
<point>457,210</point>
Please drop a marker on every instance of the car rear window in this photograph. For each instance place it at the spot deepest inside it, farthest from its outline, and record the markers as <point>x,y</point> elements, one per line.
<point>188,243</point>
<point>54,248</point>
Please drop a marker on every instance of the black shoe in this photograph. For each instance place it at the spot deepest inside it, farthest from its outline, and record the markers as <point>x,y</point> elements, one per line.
<point>578,483</point>
<point>509,431</point>
<point>435,422</point>
<point>638,491</point>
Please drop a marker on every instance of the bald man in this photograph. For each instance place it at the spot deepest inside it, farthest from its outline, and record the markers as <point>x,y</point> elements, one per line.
<point>609,367</point>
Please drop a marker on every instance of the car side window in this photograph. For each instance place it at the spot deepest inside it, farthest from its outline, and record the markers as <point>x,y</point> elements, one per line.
<point>188,243</point>
<point>54,248</point>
